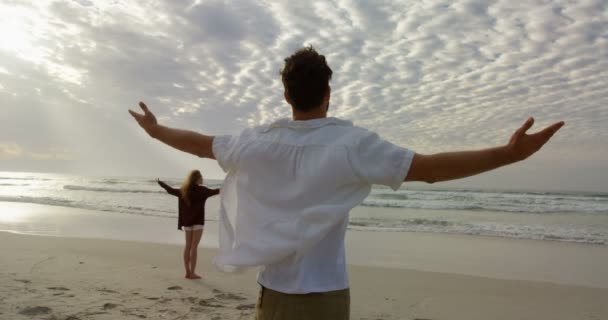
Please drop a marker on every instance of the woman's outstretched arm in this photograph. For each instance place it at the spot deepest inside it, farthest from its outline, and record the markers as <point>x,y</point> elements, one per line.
<point>168,188</point>
<point>208,192</point>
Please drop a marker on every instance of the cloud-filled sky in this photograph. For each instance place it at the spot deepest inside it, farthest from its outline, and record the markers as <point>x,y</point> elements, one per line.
<point>428,75</point>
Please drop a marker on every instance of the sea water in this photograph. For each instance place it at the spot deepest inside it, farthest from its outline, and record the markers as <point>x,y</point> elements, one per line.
<point>552,216</point>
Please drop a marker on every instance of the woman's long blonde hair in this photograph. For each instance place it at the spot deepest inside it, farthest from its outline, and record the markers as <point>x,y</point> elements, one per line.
<point>190,181</point>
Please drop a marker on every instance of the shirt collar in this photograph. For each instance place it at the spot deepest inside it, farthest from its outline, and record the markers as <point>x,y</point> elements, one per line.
<point>306,124</point>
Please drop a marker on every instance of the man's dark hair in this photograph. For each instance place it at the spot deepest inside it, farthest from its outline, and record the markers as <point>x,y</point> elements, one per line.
<point>306,78</point>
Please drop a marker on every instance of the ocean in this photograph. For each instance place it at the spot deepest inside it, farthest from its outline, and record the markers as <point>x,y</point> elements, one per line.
<point>550,216</point>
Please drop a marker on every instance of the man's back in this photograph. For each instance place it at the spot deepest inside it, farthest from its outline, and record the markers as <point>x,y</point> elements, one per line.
<point>291,184</point>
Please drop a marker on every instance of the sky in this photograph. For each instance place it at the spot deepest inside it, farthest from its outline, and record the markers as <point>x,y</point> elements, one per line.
<point>431,76</point>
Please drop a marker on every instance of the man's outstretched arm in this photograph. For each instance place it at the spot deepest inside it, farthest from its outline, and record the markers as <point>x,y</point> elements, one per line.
<point>455,165</point>
<point>184,140</point>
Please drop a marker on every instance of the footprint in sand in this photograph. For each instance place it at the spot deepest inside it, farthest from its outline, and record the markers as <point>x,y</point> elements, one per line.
<point>105,290</point>
<point>61,289</point>
<point>198,309</point>
<point>109,306</point>
<point>23,281</point>
<point>190,299</point>
<point>210,303</point>
<point>167,311</point>
<point>246,307</point>
<point>174,288</point>
<point>128,312</point>
<point>230,296</point>
<point>35,311</point>
<point>94,313</point>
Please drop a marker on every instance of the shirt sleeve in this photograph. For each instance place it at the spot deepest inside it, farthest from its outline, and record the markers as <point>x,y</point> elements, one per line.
<point>208,192</point>
<point>224,150</point>
<point>377,161</point>
<point>169,189</point>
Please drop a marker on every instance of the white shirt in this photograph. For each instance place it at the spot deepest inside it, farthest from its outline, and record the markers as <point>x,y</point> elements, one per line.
<point>289,188</point>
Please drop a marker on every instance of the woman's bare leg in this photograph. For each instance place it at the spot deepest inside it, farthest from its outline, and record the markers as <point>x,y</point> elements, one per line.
<point>187,253</point>
<point>196,238</point>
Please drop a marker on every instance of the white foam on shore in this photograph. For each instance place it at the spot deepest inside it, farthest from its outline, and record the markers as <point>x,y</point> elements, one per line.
<point>510,214</point>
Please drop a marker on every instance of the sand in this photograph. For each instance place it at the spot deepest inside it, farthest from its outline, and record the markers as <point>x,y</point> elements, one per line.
<point>393,276</point>
<point>68,278</point>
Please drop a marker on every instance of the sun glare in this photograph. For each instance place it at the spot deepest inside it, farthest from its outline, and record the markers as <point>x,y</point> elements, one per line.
<point>14,212</point>
<point>22,34</point>
<point>17,29</point>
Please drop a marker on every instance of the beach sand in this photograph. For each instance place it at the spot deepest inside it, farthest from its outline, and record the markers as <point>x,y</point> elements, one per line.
<point>59,277</point>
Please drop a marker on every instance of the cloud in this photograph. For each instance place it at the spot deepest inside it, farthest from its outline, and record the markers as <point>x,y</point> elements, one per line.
<point>432,76</point>
<point>13,150</point>
<point>10,150</point>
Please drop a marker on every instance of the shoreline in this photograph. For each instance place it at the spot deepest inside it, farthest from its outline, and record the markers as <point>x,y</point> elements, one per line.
<point>491,257</point>
<point>45,210</point>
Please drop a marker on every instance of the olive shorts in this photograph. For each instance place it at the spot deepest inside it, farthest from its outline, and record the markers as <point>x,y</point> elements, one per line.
<point>274,305</point>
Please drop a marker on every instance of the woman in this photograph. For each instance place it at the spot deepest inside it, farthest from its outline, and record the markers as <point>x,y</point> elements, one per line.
<point>192,197</point>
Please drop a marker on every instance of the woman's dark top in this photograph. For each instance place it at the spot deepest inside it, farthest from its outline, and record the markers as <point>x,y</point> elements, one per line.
<point>194,213</point>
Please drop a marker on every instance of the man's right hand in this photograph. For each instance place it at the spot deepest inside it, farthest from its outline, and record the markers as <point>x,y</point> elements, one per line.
<point>147,120</point>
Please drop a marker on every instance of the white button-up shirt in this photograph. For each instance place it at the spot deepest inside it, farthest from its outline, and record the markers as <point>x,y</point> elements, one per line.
<point>287,194</point>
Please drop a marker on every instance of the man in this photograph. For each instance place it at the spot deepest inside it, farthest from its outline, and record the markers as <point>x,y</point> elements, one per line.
<point>291,184</point>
